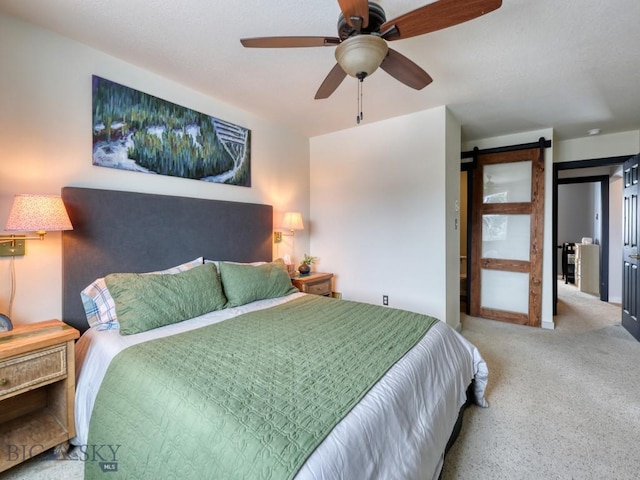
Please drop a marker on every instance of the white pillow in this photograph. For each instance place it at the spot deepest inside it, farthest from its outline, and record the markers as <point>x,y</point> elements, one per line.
<point>217,262</point>
<point>99,306</point>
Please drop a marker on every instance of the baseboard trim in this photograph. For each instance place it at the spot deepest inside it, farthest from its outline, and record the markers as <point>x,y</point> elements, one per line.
<point>548,325</point>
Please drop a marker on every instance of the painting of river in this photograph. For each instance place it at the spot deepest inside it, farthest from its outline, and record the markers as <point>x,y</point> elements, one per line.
<point>139,132</point>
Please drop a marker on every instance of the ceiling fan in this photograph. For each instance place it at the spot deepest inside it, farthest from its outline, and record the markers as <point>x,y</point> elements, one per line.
<point>363,32</point>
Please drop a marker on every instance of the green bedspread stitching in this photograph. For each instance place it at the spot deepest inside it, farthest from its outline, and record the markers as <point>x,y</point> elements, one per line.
<point>248,398</point>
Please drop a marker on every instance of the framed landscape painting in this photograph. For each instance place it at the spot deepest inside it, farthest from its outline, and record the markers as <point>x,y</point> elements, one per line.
<point>139,132</point>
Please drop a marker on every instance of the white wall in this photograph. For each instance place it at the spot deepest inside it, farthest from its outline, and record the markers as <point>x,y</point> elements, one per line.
<point>382,211</point>
<point>45,144</point>
<point>452,217</point>
<point>598,146</point>
<point>575,214</point>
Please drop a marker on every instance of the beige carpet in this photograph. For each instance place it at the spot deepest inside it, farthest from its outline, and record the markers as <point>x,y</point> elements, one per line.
<point>46,467</point>
<point>564,404</point>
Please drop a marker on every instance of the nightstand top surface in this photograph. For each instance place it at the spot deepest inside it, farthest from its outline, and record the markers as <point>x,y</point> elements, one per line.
<point>33,336</point>
<point>313,276</point>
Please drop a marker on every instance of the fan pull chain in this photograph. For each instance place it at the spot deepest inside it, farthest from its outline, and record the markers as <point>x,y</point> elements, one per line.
<point>360,117</point>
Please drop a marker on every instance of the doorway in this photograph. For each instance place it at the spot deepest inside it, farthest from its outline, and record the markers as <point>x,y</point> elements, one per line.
<point>465,177</point>
<point>583,173</point>
<point>584,224</point>
<point>466,193</point>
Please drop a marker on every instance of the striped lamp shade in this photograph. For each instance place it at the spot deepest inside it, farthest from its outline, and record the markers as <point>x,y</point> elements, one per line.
<point>38,213</point>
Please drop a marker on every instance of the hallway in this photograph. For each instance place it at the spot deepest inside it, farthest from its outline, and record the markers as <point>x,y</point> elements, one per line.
<point>580,312</point>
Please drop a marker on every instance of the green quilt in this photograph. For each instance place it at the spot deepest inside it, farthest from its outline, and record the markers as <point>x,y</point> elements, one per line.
<point>248,398</point>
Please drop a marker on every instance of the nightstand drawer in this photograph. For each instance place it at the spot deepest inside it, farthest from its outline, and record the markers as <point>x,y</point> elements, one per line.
<point>315,283</point>
<point>33,369</point>
<point>322,288</point>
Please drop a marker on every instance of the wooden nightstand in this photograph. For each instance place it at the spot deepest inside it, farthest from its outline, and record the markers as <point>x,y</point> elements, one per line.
<point>37,388</point>
<point>315,283</point>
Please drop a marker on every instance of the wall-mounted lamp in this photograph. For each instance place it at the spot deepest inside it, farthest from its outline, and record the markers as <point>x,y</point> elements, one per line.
<point>291,222</point>
<point>33,213</point>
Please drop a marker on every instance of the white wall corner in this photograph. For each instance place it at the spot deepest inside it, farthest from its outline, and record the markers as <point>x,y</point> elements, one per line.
<point>380,224</point>
<point>453,146</point>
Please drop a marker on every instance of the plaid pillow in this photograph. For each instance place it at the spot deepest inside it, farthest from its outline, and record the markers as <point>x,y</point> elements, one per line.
<point>99,307</point>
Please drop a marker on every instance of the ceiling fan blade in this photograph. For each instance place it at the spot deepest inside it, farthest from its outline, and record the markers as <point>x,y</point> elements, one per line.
<point>405,70</point>
<point>355,8</point>
<point>436,16</point>
<point>331,82</point>
<point>289,42</point>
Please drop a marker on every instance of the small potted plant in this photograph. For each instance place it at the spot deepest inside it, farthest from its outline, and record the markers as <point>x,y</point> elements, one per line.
<point>305,265</point>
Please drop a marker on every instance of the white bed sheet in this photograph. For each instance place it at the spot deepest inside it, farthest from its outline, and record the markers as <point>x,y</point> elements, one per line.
<point>398,431</point>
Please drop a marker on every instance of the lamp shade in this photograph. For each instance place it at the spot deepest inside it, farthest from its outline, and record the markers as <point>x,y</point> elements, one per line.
<point>38,213</point>
<point>361,55</point>
<point>292,221</point>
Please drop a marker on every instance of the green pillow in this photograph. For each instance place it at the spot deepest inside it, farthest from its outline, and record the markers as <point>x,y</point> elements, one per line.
<point>144,302</point>
<point>247,283</point>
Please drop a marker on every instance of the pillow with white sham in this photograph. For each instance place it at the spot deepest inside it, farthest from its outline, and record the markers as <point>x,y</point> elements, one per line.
<point>99,306</point>
<point>217,262</point>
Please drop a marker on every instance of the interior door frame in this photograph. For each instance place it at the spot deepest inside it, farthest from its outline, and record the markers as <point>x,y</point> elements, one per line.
<point>604,264</point>
<point>469,167</point>
<point>603,180</point>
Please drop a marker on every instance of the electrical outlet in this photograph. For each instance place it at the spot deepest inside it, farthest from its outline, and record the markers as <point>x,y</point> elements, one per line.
<point>385,299</point>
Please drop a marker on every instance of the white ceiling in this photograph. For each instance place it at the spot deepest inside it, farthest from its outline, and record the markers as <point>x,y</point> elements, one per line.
<point>572,65</point>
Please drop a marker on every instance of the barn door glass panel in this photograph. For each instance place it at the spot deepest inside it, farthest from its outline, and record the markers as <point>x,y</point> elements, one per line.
<point>507,182</point>
<point>506,236</point>
<point>505,291</point>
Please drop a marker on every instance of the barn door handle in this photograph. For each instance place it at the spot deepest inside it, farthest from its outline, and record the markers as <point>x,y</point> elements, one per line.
<point>635,256</point>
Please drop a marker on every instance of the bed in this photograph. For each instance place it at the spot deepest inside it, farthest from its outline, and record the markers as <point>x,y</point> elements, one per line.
<point>382,404</point>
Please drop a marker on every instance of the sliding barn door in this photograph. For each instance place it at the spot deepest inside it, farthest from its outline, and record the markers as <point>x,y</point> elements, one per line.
<point>630,251</point>
<point>507,236</point>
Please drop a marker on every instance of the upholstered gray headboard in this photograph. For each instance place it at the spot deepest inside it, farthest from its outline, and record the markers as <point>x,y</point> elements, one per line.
<point>135,232</point>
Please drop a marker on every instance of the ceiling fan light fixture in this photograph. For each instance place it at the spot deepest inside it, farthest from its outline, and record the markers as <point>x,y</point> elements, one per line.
<point>361,55</point>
